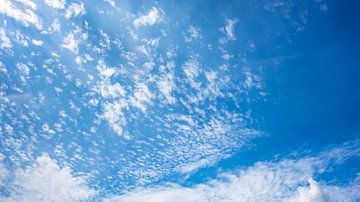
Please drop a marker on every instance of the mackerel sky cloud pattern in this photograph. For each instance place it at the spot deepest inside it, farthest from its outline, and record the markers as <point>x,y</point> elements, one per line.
<point>115,100</point>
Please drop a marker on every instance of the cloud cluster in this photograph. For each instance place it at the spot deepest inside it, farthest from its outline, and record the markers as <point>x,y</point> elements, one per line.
<point>58,4</point>
<point>285,180</point>
<point>26,16</point>
<point>289,179</point>
<point>45,180</point>
<point>152,17</point>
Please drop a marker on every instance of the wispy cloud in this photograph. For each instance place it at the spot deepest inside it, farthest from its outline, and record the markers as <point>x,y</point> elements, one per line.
<point>289,179</point>
<point>229,30</point>
<point>25,16</point>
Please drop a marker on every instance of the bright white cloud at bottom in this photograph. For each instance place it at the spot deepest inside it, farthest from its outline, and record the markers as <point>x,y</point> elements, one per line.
<point>284,180</point>
<point>290,179</point>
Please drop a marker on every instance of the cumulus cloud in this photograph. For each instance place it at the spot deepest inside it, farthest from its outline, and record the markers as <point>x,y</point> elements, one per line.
<point>284,180</point>
<point>5,41</point>
<point>312,193</point>
<point>74,10</point>
<point>152,17</point>
<point>26,16</point>
<point>45,180</point>
<point>58,4</point>
<point>71,43</point>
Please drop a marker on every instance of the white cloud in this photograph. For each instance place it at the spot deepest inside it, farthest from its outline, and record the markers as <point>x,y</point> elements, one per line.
<point>105,71</point>
<point>229,30</point>
<point>74,10</point>
<point>252,81</point>
<point>45,180</point>
<point>71,43</point>
<point>152,17</point>
<point>26,16</point>
<point>111,90</point>
<point>113,114</point>
<point>58,4</point>
<point>5,41</point>
<point>311,193</point>
<point>56,26</point>
<point>24,69</point>
<point>191,167</point>
<point>37,42</point>
<point>191,69</point>
<point>28,3</point>
<point>285,180</point>
<point>111,2</point>
<point>3,171</point>
<point>193,33</point>
<point>166,86</point>
<point>142,97</point>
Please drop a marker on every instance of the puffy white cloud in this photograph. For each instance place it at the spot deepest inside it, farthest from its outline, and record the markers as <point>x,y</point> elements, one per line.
<point>74,10</point>
<point>285,180</point>
<point>229,30</point>
<point>193,33</point>
<point>5,41</point>
<point>152,17</point>
<point>37,42</point>
<point>26,16</point>
<point>23,68</point>
<point>71,43</point>
<point>112,90</point>
<point>111,2</point>
<point>309,193</point>
<point>45,180</point>
<point>113,114</point>
<point>142,97</point>
<point>56,26</point>
<point>58,4</point>
<point>28,3</point>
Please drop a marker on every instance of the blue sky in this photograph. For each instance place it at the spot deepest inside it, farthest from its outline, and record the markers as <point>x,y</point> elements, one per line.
<point>179,101</point>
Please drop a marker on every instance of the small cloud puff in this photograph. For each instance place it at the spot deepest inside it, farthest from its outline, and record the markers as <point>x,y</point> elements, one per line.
<point>152,17</point>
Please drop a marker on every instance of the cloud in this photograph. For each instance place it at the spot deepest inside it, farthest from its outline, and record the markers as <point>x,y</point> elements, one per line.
<point>74,10</point>
<point>312,192</point>
<point>284,180</point>
<point>71,43</point>
<point>152,17</point>
<point>142,97</point>
<point>193,33</point>
<point>166,86</point>
<point>28,3</point>
<point>229,30</point>
<point>191,167</point>
<point>37,42</point>
<point>26,16</point>
<point>5,41</point>
<point>45,180</point>
<point>58,4</point>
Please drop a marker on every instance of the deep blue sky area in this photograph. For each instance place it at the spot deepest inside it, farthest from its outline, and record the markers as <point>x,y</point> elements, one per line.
<point>120,100</point>
<point>315,93</point>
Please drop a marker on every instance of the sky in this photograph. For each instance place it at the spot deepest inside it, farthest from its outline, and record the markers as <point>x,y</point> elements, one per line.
<point>206,101</point>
